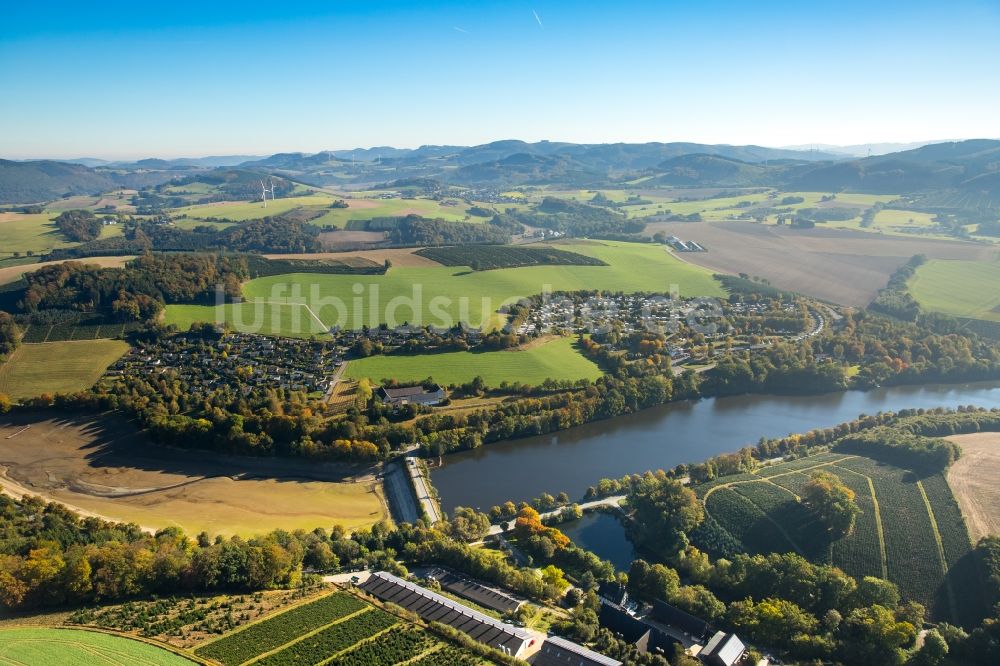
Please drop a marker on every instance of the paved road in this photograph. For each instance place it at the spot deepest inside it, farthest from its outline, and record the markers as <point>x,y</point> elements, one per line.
<point>614,501</point>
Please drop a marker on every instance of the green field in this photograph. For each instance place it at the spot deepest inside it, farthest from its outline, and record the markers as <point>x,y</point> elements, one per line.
<point>74,646</point>
<point>360,209</point>
<point>441,295</point>
<point>244,210</point>
<point>959,288</point>
<point>917,543</point>
<point>557,359</point>
<point>23,232</point>
<point>57,367</point>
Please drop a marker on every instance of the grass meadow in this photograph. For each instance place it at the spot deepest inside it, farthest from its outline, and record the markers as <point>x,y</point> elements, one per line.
<point>442,295</point>
<point>555,359</point>
<point>960,288</point>
<point>36,233</point>
<point>359,209</point>
<point>37,645</point>
<point>57,367</point>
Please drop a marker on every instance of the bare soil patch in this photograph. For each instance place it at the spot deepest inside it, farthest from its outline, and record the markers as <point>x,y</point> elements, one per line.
<point>973,480</point>
<point>348,239</point>
<point>361,204</point>
<point>104,466</point>
<point>846,267</point>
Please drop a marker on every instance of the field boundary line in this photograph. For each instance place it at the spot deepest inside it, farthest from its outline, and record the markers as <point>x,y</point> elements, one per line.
<point>437,647</point>
<point>291,606</point>
<point>878,520</point>
<point>310,634</point>
<point>940,548</point>
<point>364,640</point>
<point>729,486</point>
<point>788,537</point>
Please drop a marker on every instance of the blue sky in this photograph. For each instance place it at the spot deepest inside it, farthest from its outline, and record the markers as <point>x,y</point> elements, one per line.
<point>119,80</point>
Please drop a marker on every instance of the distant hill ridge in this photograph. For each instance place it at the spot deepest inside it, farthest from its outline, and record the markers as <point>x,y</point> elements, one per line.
<point>969,168</point>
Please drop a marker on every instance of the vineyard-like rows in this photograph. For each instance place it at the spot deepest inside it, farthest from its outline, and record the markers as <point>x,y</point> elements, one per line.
<point>449,656</point>
<point>486,257</point>
<point>393,647</point>
<point>784,509</point>
<point>275,631</point>
<point>328,642</point>
<point>861,553</point>
<point>800,464</point>
<point>910,546</point>
<point>912,556</point>
<point>746,522</point>
<point>61,332</point>
<point>962,574</point>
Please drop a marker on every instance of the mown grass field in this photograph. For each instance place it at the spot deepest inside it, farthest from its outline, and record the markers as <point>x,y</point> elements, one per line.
<point>36,233</point>
<point>246,210</point>
<point>557,359</point>
<point>910,529</point>
<point>36,645</point>
<point>443,296</point>
<point>358,209</point>
<point>960,288</point>
<point>57,367</point>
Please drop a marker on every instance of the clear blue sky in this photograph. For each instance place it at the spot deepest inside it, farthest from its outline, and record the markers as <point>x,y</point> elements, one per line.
<point>110,79</point>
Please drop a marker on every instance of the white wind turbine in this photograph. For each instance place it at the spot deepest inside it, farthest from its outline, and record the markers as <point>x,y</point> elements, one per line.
<point>264,190</point>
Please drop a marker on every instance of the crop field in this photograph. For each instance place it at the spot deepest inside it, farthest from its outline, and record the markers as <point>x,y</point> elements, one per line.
<point>443,296</point>
<point>277,630</point>
<point>365,209</point>
<point>336,629</point>
<point>37,645</point>
<point>57,367</point>
<point>960,288</point>
<point>358,209</point>
<point>973,480</point>
<point>36,233</point>
<point>488,257</point>
<point>556,359</point>
<point>910,529</point>
<point>252,210</point>
<point>815,262</point>
<point>103,466</point>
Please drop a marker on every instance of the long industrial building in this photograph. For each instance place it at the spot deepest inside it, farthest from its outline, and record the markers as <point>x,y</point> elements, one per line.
<point>432,607</point>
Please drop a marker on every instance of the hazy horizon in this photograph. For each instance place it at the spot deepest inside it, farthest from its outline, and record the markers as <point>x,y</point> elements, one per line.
<point>250,155</point>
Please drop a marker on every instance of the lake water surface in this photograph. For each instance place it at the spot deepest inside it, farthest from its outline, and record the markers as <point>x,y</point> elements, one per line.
<point>665,436</point>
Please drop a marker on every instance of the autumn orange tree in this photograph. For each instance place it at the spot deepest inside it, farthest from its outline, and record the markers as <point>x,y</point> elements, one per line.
<point>832,502</point>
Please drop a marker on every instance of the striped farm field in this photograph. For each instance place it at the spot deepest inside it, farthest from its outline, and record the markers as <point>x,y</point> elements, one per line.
<point>277,630</point>
<point>959,288</point>
<point>57,367</point>
<point>910,529</point>
<point>336,629</point>
<point>37,645</point>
